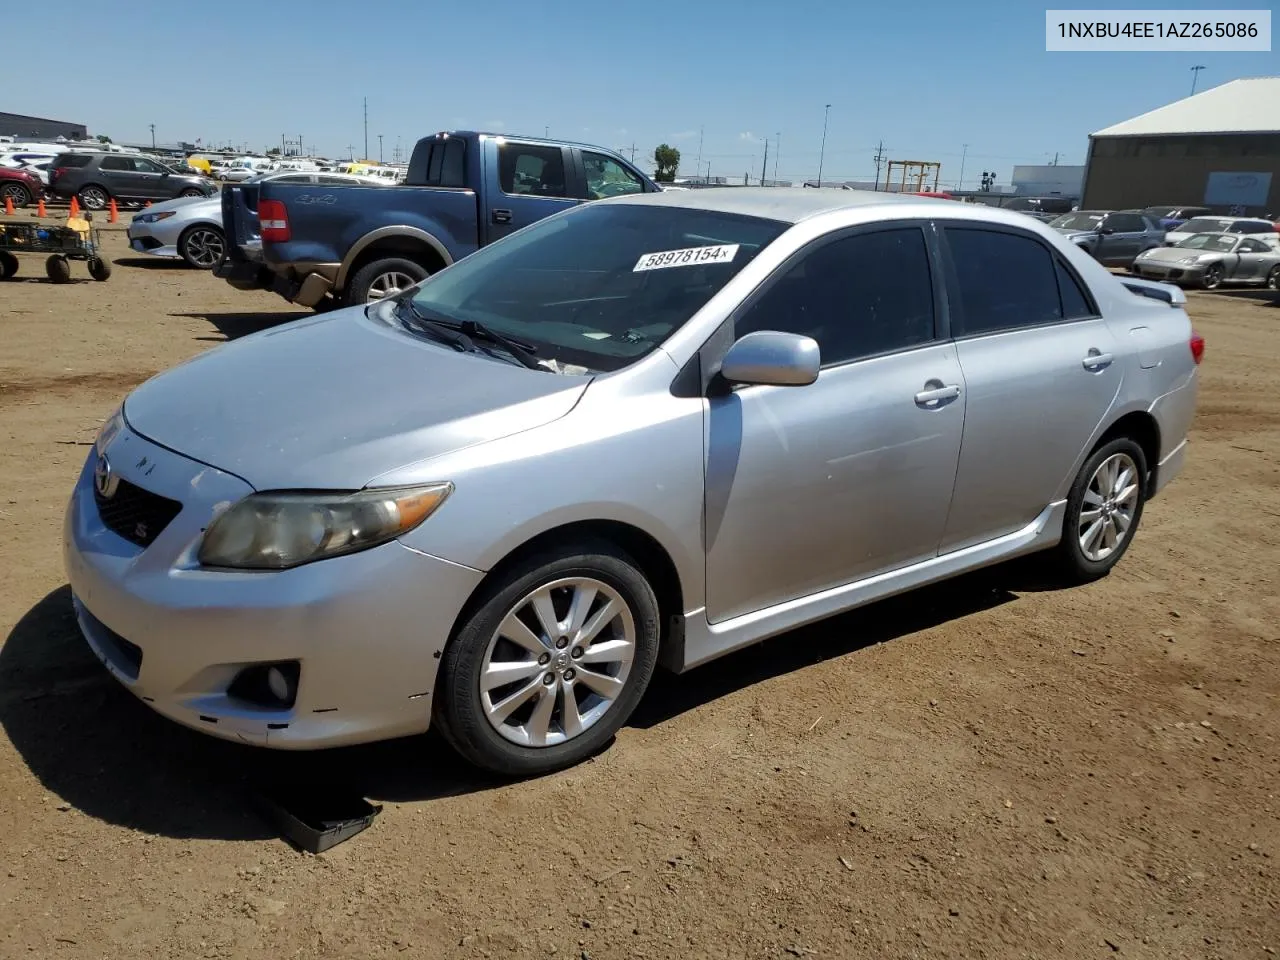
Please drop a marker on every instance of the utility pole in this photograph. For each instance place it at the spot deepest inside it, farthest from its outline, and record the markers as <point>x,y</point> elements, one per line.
<point>351,151</point>
<point>879,158</point>
<point>366,129</point>
<point>764,166</point>
<point>1055,158</point>
<point>153,135</point>
<point>300,150</point>
<point>708,173</point>
<point>379,148</point>
<point>963,154</point>
<point>822,153</point>
<point>546,131</point>
<point>1195,75</point>
<point>777,152</point>
<point>697,167</point>
<point>633,151</point>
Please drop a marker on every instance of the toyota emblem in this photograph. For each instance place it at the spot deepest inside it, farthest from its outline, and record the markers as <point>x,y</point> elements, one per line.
<point>105,480</point>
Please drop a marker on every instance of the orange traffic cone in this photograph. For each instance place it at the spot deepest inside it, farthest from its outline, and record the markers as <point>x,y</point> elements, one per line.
<point>40,210</point>
<point>75,207</point>
<point>8,206</point>
<point>114,215</point>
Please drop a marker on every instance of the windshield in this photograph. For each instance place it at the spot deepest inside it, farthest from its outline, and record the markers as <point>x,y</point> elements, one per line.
<point>1160,212</point>
<point>1080,220</point>
<point>1202,225</point>
<point>602,286</point>
<point>1218,242</point>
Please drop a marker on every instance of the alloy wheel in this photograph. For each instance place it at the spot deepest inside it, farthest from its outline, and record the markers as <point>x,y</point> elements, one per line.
<point>558,661</point>
<point>1110,503</point>
<point>204,247</point>
<point>94,198</point>
<point>1212,276</point>
<point>15,192</point>
<point>388,284</point>
<point>1273,279</point>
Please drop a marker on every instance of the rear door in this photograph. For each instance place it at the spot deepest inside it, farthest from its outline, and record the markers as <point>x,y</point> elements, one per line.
<point>1041,370</point>
<point>119,177</point>
<point>524,182</point>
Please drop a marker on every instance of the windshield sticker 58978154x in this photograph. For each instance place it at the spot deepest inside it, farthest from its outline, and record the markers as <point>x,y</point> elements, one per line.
<point>688,257</point>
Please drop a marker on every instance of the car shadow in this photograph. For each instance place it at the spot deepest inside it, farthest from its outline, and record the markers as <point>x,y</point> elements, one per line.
<point>1263,295</point>
<point>232,326</point>
<point>95,746</point>
<point>153,263</point>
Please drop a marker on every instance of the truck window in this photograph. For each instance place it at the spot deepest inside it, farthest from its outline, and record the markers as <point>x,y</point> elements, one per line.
<point>438,162</point>
<point>608,178</point>
<point>535,170</point>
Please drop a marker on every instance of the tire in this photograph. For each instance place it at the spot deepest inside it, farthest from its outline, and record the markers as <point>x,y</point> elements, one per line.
<point>1273,279</point>
<point>94,197</point>
<point>1073,561</point>
<point>8,265</point>
<point>327,303</point>
<point>382,275</point>
<point>58,269</point>
<point>508,745</point>
<point>202,246</point>
<point>99,269</point>
<point>191,192</point>
<point>17,192</point>
<point>1212,278</point>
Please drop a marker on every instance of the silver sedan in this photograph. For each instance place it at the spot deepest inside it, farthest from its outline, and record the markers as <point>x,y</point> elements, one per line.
<point>646,430</point>
<point>1209,260</point>
<point>186,228</point>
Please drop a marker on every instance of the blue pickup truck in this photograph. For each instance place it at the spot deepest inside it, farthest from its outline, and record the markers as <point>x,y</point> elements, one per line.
<point>324,246</point>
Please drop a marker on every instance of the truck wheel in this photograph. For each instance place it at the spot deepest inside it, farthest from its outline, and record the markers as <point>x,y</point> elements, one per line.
<point>58,269</point>
<point>383,278</point>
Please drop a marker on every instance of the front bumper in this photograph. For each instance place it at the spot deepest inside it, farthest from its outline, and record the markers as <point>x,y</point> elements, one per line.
<point>143,239</point>
<point>366,628</point>
<point>1171,272</point>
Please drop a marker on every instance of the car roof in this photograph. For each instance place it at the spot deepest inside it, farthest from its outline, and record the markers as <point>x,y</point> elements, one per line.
<point>785,204</point>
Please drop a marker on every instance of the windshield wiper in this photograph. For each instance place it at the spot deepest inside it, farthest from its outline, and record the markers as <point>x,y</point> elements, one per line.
<point>524,352</point>
<point>441,331</point>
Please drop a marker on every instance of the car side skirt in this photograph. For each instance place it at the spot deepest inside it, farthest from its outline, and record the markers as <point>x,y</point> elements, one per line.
<point>704,641</point>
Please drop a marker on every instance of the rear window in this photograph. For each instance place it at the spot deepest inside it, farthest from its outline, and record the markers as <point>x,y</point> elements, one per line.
<point>1160,212</point>
<point>1252,226</point>
<point>438,162</point>
<point>71,160</point>
<point>1081,220</point>
<point>603,285</point>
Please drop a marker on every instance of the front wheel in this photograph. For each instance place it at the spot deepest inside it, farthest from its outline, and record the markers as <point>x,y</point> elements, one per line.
<point>551,663</point>
<point>99,269</point>
<point>1273,279</point>
<point>191,192</point>
<point>202,246</point>
<point>58,269</point>
<point>1212,277</point>
<point>16,192</point>
<point>382,278</point>
<point>1104,508</point>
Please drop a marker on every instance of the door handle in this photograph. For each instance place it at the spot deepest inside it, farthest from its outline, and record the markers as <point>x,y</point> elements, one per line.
<point>933,396</point>
<point>1097,361</point>
<point>502,216</point>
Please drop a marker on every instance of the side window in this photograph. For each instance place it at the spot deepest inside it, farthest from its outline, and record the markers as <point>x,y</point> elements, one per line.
<point>116,163</point>
<point>1253,246</point>
<point>1004,281</point>
<point>1251,226</point>
<point>142,165</point>
<point>527,169</point>
<point>608,178</point>
<point>857,296</point>
<point>334,181</point>
<point>1076,305</point>
<point>1125,223</point>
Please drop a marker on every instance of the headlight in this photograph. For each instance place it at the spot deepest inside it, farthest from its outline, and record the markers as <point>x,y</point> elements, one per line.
<point>108,431</point>
<point>272,531</point>
<point>153,217</point>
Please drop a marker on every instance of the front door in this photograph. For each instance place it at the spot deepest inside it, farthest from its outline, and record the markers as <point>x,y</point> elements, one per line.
<point>154,182</point>
<point>1042,370</point>
<point>527,182</point>
<point>812,487</point>
<point>1253,260</point>
<point>1125,242</point>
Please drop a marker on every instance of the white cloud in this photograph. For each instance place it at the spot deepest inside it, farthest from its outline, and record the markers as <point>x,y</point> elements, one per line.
<point>748,135</point>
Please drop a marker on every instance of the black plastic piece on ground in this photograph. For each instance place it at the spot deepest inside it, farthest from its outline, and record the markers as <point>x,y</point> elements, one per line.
<point>315,821</point>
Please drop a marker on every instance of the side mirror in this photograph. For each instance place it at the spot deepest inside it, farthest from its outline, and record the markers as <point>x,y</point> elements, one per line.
<point>773,358</point>
<point>1107,231</point>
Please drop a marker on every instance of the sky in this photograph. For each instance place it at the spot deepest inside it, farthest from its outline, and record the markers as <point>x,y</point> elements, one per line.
<point>712,78</point>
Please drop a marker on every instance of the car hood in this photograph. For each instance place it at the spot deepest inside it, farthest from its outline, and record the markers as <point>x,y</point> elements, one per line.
<point>186,205</point>
<point>1072,232</point>
<point>1173,254</point>
<point>332,402</point>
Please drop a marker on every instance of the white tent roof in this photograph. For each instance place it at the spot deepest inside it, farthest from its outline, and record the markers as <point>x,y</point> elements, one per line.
<point>1249,105</point>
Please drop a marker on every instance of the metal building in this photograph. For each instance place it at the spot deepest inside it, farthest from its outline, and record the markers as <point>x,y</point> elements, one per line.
<point>1219,148</point>
<point>38,128</point>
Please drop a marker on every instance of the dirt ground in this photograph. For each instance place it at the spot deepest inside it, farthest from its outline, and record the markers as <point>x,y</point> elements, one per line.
<point>986,769</point>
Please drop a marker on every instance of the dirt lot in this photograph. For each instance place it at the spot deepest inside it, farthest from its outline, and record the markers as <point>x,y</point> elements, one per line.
<point>987,769</point>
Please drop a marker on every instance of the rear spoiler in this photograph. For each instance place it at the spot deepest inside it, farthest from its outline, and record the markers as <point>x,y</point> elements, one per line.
<point>1167,292</point>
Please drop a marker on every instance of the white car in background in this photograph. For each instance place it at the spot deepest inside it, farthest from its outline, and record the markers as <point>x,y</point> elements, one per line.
<point>1252,226</point>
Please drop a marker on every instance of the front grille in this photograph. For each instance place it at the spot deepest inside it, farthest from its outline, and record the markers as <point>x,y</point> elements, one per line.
<point>125,656</point>
<point>133,513</point>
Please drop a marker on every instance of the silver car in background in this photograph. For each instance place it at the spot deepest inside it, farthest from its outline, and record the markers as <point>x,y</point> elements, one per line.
<point>1209,260</point>
<point>647,430</point>
<point>192,228</point>
<point>1112,237</point>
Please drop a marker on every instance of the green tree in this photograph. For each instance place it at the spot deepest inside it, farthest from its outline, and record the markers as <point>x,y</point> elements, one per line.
<point>103,138</point>
<point>666,158</point>
<point>273,152</point>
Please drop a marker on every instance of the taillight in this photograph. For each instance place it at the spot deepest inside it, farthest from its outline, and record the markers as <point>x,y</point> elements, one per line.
<point>55,174</point>
<point>1197,347</point>
<point>273,221</point>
